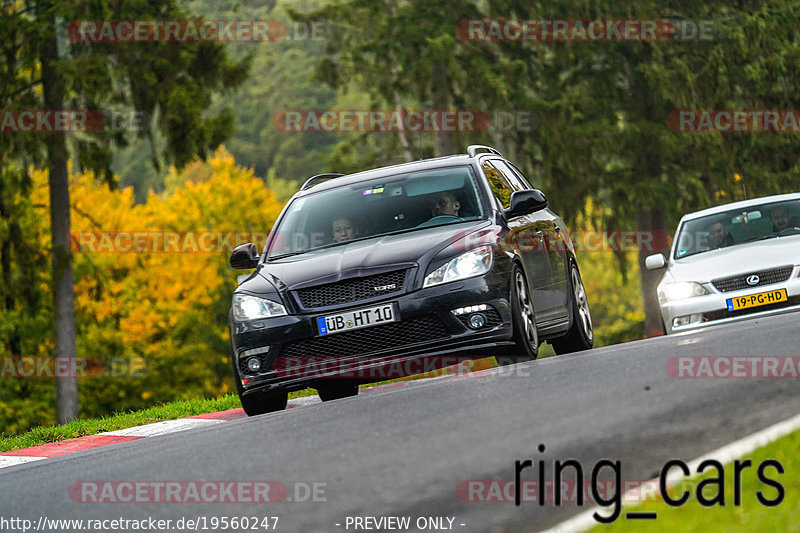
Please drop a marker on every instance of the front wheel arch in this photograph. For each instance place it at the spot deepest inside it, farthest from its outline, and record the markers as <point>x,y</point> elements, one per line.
<point>580,335</point>
<point>525,334</point>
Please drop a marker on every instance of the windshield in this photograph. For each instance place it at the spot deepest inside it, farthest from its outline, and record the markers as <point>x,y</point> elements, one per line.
<point>738,226</point>
<point>391,204</point>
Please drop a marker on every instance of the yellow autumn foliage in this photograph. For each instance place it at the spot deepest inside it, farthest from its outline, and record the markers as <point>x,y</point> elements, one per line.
<point>169,307</point>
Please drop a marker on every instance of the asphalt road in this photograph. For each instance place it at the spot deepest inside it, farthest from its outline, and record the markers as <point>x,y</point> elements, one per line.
<point>403,451</point>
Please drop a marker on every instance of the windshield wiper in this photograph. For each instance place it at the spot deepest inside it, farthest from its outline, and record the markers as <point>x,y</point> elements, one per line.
<point>299,252</point>
<point>760,238</point>
<point>289,254</point>
<point>395,232</point>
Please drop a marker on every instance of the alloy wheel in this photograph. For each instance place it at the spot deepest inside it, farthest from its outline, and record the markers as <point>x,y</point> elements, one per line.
<point>582,305</point>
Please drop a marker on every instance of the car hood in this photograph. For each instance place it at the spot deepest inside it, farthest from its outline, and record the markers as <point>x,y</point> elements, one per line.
<point>370,256</point>
<point>741,259</point>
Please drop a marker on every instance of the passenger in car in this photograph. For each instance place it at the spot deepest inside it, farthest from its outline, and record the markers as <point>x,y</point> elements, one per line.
<point>718,236</point>
<point>344,229</point>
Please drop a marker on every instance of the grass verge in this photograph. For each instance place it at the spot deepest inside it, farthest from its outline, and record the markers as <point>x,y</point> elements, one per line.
<point>182,409</point>
<point>92,426</point>
<point>751,515</point>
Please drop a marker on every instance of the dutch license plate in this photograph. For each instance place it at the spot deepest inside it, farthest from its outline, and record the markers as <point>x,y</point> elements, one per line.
<point>360,318</point>
<point>755,300</point>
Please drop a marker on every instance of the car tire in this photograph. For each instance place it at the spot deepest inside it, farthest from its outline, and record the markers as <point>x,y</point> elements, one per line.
<point>523,319</point>
<point>581,333</point>
<point>335,391</point>
<point>259,402</point>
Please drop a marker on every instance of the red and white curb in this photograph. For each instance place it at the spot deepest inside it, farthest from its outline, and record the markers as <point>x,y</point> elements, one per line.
<point>89,442</point>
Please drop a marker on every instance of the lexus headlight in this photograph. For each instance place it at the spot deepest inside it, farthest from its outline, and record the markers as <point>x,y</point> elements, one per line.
<point>251,307</point>
<point>681,291</point>
<point>472,263</point>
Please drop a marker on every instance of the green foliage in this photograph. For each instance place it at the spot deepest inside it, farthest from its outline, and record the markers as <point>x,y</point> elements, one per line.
<point>123,420</point>
<point>281,79</point>
<point>749,515</point>
<point>154,321</point>
<point>600,134</point>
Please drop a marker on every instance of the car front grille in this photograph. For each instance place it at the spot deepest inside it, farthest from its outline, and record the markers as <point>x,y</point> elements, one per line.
<point>724,313</point>
<point>368,340</point>
<point>766,277</point>
<point>352,290</point>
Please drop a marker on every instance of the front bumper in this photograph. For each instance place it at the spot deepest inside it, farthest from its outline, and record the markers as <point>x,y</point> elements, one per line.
<point>711,309</point>
<point>428,335</point>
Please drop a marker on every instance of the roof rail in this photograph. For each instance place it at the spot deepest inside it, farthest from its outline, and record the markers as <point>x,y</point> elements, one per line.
<point>472,150</point>
<point>319,178</point>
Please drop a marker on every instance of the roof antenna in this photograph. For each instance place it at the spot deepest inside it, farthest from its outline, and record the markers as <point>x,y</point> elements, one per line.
<point>738,177</point>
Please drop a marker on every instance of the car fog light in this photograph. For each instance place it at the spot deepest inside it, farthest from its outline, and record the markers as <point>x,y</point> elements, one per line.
<point>477,321</point>
<point>253,364</point>
<point>686,320</point>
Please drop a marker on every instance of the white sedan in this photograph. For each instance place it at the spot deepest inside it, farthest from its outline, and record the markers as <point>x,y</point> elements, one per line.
<point>732,262</point>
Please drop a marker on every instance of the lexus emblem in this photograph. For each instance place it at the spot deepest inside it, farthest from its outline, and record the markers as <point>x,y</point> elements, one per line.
<point>753,280</point>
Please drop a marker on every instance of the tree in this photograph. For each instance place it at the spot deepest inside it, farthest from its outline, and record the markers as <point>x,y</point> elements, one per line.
<point>150,325</point>
<point>406,54</point>
<point>281,80</point>
<point>174,82</point>
<point>602,106</point>
<point>620,94</point>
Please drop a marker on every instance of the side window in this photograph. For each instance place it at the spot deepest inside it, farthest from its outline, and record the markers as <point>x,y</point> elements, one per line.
<point>501,180</point>
<point>525,181</point>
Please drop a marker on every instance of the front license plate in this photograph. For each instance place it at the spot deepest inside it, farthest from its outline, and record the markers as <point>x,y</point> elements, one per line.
<point>754,300</point>
<point>360,318</point>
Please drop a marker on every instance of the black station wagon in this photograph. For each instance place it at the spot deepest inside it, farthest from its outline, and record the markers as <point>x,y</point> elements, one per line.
<point>399,270</point>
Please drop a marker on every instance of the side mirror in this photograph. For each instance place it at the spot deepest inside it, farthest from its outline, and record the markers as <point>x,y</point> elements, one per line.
<point>527,201</point>
<point>245,256</point>
<point>654,262</point>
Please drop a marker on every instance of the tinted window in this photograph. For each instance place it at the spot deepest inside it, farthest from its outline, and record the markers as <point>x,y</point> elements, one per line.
<point>738,226</point>
<point>525,181</point>
<point>404,202</point>
<point>501,180</point>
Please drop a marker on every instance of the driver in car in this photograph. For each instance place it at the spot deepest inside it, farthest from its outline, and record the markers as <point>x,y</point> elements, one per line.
<point>779,216</point>
<point>445,204</point>
<point>444,208</point>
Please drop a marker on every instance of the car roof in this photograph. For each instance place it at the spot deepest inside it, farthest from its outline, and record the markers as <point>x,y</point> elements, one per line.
<point>741,204</point>
<point>412,166</point>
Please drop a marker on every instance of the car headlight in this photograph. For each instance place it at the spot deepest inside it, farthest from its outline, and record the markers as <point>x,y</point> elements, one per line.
<point>247,307</point>
<point>681,291</point>
<point>469,264</point>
